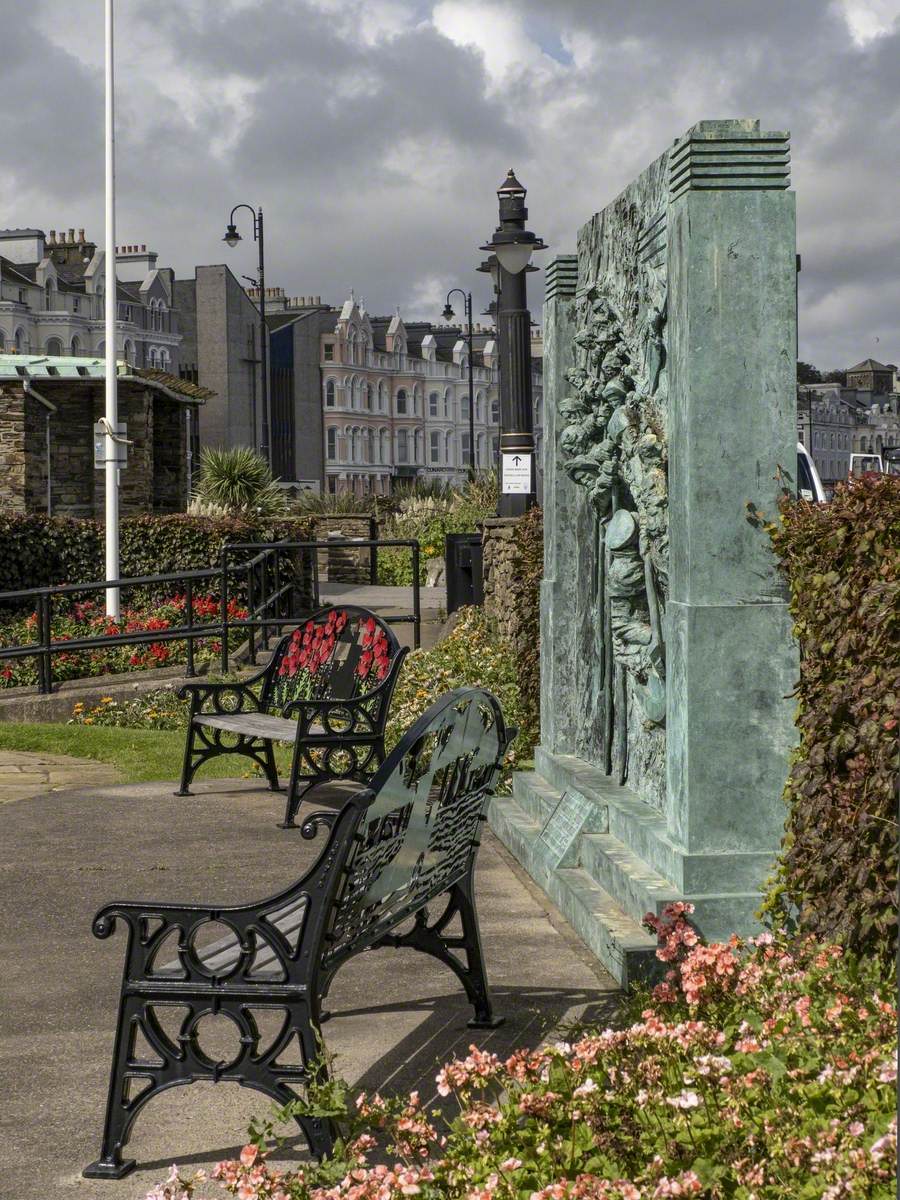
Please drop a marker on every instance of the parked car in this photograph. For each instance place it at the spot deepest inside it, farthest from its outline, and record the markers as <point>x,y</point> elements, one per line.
<point>809,485</point>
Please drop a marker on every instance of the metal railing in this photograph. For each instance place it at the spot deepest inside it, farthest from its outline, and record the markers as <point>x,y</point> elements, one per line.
<point>275,598</point>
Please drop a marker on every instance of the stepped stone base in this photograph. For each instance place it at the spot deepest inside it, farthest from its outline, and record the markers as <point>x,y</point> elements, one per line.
<point>620,865</point>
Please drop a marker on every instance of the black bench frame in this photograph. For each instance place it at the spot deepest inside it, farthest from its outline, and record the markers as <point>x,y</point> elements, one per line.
<point>336,736</point>
<point>392,850</point>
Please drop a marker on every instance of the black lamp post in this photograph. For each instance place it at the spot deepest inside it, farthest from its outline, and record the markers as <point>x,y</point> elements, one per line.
<point>448,315</point>
<point>232,237</point>
<point>513,246</point>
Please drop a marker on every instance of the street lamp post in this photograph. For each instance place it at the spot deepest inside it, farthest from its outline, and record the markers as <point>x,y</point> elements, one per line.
<point>513,246</point>
<point>232,237</point>
<point>448,315</point>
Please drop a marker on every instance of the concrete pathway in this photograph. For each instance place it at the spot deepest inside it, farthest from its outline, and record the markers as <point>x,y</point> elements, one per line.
<point>23,774</point>
<point>396,1015</point>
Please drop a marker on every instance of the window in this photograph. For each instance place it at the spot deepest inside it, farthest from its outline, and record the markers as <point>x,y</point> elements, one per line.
<point>401,404</point>
<point>479,407</point>
<point>382,398</point>
<point>433,401</point>
<point>464,407</point>
<point>328,352</point>
<point>435,443</point>
<point>495,450</point>
<point>402,445</point>
<point>448,404</point>
<point>76,347</point>
<point>331,444</point>
<point>76,304</point>
<point>48,294</point>
<point>495,411</point>
<point>371,445</point>
<point>329,394</point>
<point>417,447</point>
<point>466,455</point>
<point>367,396</point>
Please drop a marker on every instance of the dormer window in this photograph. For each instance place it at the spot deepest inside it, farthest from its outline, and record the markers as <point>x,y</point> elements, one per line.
<point>48,294</point>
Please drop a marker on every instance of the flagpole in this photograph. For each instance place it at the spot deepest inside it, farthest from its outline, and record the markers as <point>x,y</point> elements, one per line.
<point>111,466</point>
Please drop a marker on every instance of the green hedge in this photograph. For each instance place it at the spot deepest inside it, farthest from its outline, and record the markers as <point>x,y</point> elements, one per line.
<point>837,875</point>
<point>36,551</point>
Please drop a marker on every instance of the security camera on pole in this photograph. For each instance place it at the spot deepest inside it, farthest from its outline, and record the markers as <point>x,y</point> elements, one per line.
<point>513,246</point>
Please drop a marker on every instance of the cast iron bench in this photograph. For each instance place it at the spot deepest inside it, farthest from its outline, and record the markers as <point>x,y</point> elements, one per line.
<point>327,689</point>
<point>393,848</point>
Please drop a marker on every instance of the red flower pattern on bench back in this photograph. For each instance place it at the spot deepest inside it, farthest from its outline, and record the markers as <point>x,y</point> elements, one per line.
<point>311,657</point>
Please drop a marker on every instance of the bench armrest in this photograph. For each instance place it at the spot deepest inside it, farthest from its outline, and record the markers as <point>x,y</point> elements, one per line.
<point>214,697</point>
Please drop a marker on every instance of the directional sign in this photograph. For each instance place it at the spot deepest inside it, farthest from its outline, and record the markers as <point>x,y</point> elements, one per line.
<point>516,474</point>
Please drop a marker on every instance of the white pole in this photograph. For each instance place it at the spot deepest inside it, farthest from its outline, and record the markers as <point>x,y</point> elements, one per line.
<point>111,465</point>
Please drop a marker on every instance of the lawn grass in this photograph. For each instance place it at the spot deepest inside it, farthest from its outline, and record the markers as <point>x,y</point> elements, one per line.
<point>141,755</point>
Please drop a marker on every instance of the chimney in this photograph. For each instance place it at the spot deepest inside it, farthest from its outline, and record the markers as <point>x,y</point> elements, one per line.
<point>51,237</point>
<point>71,237</point>
<point>81,236</point>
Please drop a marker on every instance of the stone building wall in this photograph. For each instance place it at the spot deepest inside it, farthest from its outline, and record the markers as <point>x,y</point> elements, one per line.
<point>154,480</point>
<point>12,450</point>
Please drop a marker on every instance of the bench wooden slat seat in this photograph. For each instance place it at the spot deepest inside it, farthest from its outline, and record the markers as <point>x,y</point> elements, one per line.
<point>326,690</point>
<point>393,848</point>
<point>259,725</point>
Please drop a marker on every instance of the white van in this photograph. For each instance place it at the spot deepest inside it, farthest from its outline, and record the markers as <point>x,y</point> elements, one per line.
<point>809,485</point>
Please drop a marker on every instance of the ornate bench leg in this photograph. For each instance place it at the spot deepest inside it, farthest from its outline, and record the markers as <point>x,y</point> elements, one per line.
<point>295,794</point>
<point>187,769</point>
<point>431,939</point>
<point>119,1114</point>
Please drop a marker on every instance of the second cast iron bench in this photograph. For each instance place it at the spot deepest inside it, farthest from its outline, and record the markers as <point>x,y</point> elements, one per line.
<point>327,690</point>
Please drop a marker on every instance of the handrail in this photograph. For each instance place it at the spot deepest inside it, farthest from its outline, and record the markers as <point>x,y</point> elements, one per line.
<point>272,612</point>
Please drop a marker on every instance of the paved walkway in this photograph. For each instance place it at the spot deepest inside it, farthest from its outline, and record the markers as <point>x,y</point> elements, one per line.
<point>23,774</point>
<point>396,1015</point>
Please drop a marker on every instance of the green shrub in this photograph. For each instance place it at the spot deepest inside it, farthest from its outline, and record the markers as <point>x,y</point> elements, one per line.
<point>159,709</point>
<point>37,551</point>
<point>837,875</point>
<point>470,656</point>
<point>428,514</point>
<point>236,481</point>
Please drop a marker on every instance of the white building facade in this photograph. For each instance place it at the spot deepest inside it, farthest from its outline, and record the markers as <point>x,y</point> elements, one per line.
<point>52,299</point>
<point>395,398</point>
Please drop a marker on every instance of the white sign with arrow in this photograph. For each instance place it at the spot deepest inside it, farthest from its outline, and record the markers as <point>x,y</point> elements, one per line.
<point>516,474</point>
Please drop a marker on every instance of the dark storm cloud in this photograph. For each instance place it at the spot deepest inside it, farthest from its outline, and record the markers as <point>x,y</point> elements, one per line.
<point>375,142</point>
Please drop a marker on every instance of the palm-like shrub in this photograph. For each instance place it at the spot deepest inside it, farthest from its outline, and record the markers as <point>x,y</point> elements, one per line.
<point>236,482</point>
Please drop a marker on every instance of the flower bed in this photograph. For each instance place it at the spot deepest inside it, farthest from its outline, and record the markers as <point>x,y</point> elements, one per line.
<point>87,619</point>
<point>759,1070</point>
<point>159,709</point>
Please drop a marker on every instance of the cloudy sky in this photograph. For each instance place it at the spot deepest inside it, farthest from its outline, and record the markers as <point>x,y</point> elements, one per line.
<point>375,132</point>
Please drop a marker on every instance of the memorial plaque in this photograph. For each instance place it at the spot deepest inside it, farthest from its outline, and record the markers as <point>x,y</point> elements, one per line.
<point>564,825</point>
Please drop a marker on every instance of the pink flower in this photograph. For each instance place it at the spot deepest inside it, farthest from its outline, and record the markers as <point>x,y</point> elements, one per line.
<point>249,1155</point>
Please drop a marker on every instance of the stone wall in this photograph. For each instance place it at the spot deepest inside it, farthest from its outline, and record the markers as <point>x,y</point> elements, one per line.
<point>344,564</point>
<point>155,478</point>
<point>12,450</point>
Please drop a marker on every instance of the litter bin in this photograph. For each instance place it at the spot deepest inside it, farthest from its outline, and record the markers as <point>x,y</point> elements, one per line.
<point>463,575</point>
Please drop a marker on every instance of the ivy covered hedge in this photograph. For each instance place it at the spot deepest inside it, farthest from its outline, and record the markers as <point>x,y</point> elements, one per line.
<point>837,875</point>
<point>513,569</point>
<point>36,550</point>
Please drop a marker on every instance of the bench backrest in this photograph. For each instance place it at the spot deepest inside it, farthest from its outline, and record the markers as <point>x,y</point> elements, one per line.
<point>338,653</point>
<point>418,834</point>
